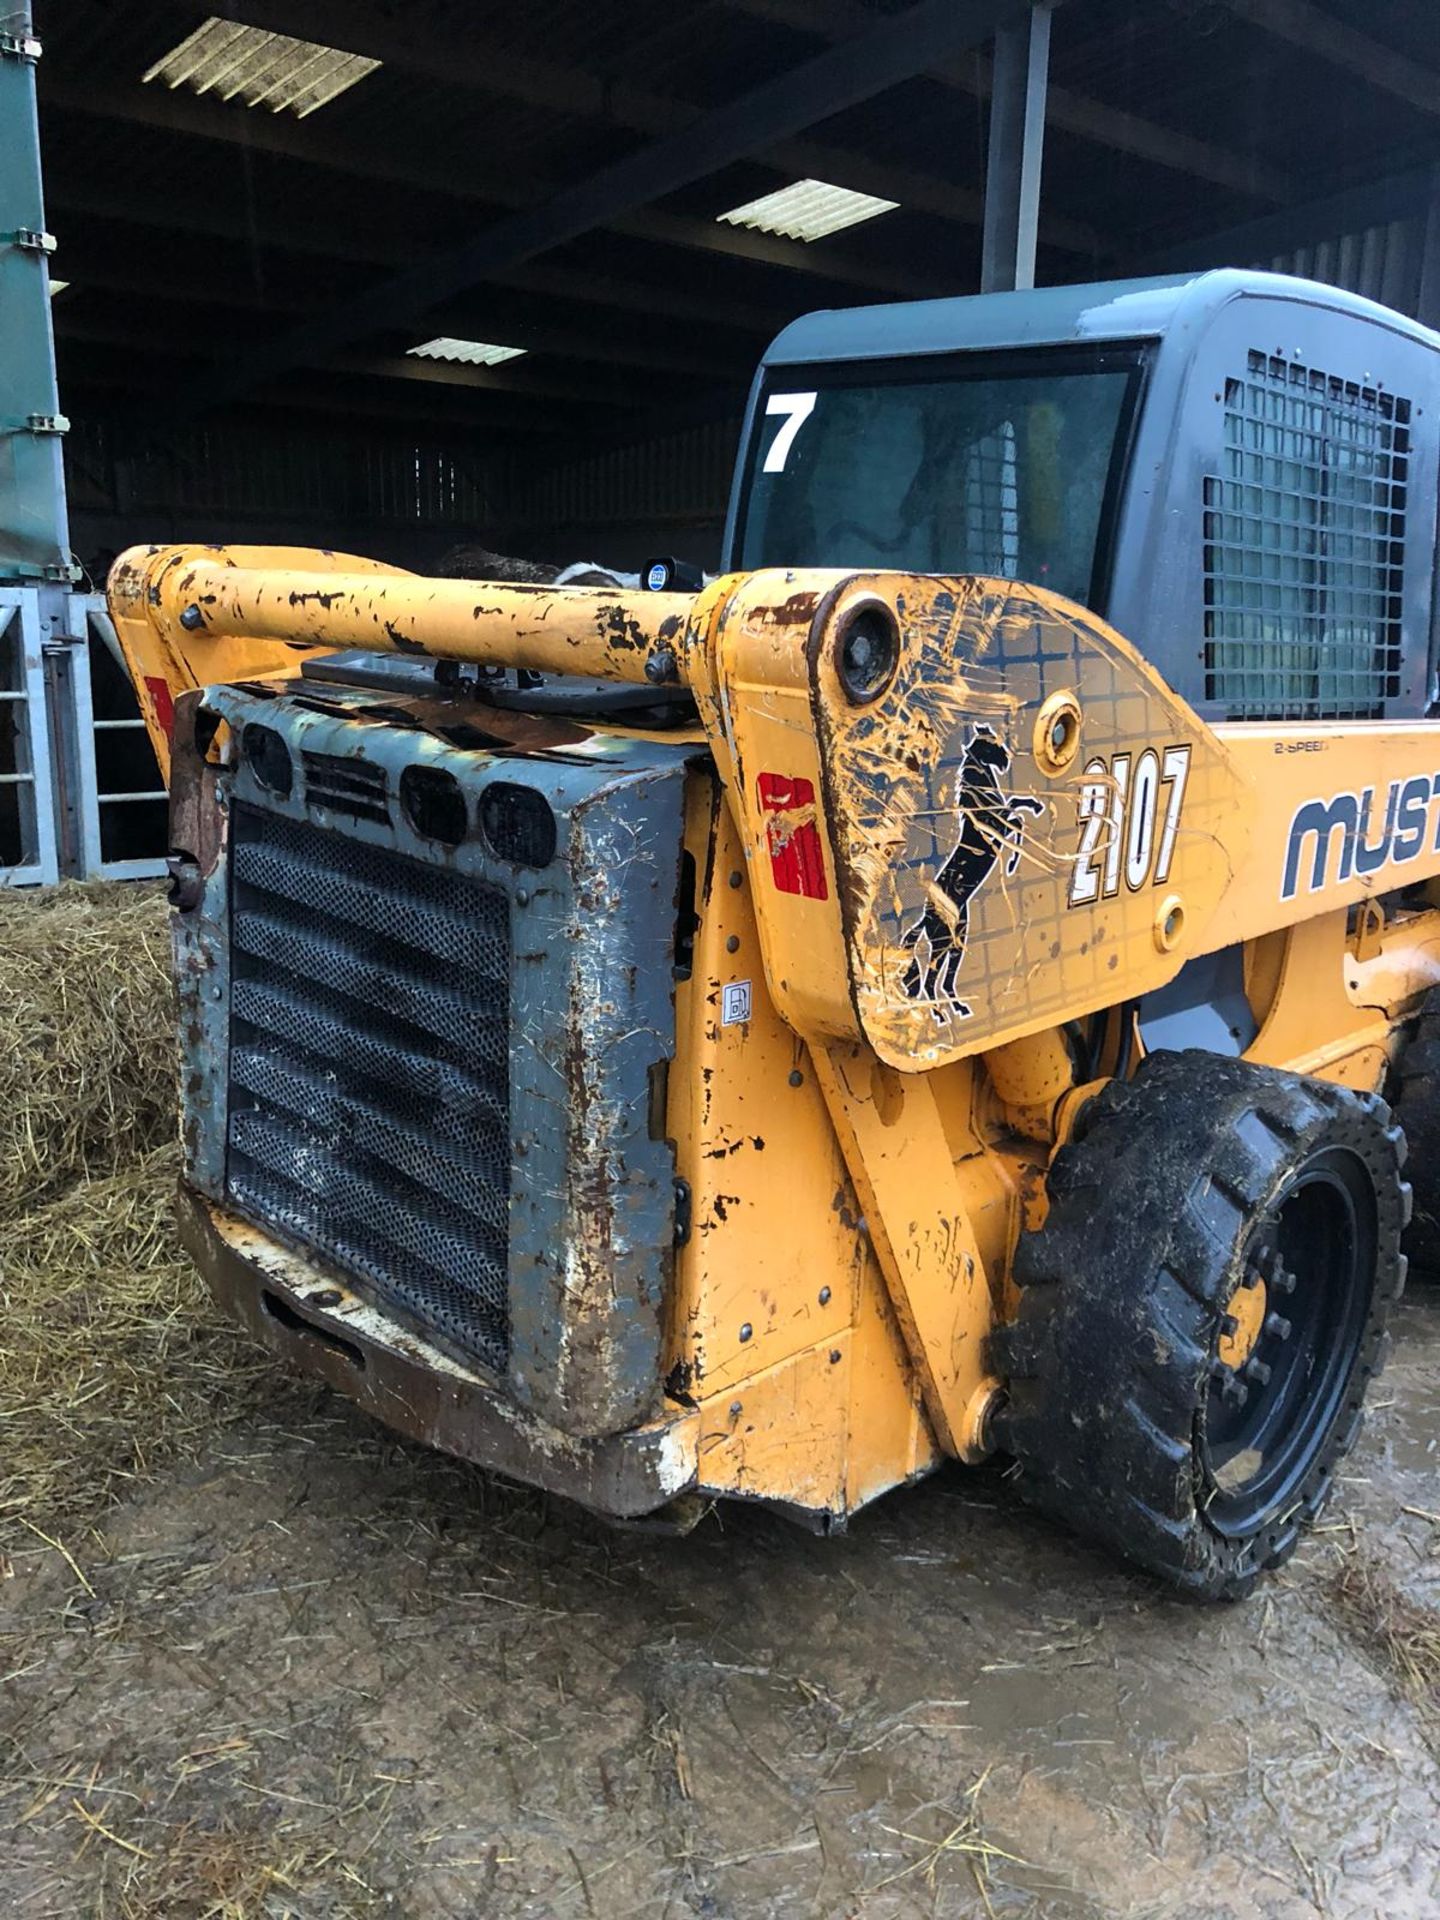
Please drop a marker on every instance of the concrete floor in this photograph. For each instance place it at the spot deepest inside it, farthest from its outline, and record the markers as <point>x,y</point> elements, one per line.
<point>321,1673</point>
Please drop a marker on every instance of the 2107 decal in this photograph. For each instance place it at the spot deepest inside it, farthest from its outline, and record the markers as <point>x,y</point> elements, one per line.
<point>1138,798</point>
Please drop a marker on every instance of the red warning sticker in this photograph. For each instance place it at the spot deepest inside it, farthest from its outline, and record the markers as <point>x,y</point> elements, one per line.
<point>159,692</point>
<point>797,860</point>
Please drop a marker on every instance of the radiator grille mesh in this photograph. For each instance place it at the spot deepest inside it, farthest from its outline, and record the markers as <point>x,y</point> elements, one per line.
<point>369,1070</point>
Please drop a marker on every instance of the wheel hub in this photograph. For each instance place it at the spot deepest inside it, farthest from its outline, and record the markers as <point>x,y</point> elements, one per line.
<point>1286,1341</point>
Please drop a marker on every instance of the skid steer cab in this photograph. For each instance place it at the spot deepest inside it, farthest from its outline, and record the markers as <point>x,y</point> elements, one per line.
<point>933,991</point>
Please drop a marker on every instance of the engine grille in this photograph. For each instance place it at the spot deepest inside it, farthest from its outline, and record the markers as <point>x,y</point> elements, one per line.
<point>369,1070</point>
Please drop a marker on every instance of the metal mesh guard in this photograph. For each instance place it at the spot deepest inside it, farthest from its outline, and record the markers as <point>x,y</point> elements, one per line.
<point>1304,547</point>
<point>369,1071</point>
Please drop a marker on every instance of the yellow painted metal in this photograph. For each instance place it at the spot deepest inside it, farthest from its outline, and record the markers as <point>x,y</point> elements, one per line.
<point>1031,1077</point>
<point>287,597</point>
<point>824,1431</point>
<point>1314,1022</point>
<point>770,1198</point>
<point>785,1435</point>
<point>1390,769</point>
<point>1406,962</point>
<point>780,1326</point>
<point>150,588</point>
<point>931,889</point>
<point>1246,1308</point>
<point>1367,936</point>
<point>916,1216</point>
<point>890,1438</point>
<point>882,782</point>
<point>904,772</point>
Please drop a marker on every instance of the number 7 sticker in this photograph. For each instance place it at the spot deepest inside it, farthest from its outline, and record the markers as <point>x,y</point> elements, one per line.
<point>1176,770</point>
<point>797,409</point>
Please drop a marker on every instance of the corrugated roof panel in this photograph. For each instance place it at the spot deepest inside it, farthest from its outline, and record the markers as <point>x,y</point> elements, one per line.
<point>470,353</point>
<point>807,210</point>
<point>1382,262</point>
<point>270,70</point>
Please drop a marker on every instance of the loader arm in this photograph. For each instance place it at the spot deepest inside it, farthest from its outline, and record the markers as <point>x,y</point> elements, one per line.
<point>970,812</point>
<point>167,656</point>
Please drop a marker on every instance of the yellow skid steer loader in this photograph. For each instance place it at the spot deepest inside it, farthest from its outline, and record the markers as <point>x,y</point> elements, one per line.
<point>931,991</point>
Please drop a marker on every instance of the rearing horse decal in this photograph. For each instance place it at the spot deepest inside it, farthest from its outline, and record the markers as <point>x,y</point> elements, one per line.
<point>992,824</point>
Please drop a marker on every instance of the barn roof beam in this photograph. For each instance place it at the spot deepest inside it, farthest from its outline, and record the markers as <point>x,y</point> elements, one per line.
<point>465,60</point>
<point>1356,54</point>
<point>1074,113</point>
<point>897,48</point>
<point>378,247</point>
<point>238,126</point>
<point>622,389</point>
<point>151,274</point>
<point>97,368</point>
<point>1398,196</point>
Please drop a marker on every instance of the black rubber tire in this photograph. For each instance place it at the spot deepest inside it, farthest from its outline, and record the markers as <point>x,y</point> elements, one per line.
<point>1156,1210</point>
<point>1414,1095</point>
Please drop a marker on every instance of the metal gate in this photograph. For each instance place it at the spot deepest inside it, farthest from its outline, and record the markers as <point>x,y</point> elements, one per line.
<point>29,850</point>
<point>80,792</point>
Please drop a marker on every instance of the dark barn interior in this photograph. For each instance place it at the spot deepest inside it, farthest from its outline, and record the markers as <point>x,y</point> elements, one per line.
<point>245,285</point>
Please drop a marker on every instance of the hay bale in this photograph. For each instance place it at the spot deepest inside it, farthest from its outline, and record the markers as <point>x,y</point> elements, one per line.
<point>114,1361</point>
<point>87,1049</point>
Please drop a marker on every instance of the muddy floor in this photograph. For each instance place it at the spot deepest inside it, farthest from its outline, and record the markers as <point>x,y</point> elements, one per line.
<point>320,1673</point>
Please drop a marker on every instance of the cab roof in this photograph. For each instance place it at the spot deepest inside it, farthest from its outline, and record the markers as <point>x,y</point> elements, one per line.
<point>1057,316</point>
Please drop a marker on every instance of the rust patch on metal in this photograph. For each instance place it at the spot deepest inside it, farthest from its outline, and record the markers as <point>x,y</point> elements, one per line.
<point>319,1327</point>
<point>197,822</point>
<point>402,642</point>
<point>797,611</point>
